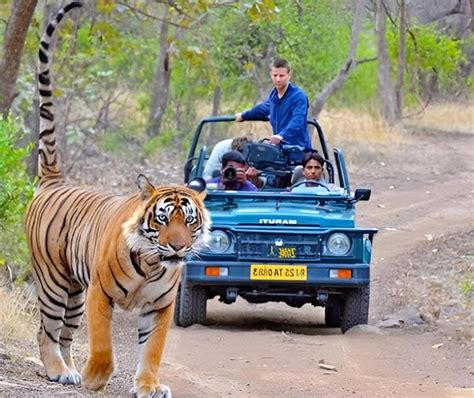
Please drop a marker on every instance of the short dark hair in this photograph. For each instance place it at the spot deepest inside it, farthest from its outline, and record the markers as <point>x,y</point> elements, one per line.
<point>233,156</point>
<point>281,63</point>
<point>313,155</point>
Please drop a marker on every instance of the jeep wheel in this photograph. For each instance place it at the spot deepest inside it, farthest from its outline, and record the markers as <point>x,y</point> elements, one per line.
<point>190,305</point>
<point>356,308</point>
<point>333,312</point>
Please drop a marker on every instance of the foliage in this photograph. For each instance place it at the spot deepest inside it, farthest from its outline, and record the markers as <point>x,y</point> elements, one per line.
<point>467,286</point>
<point>433,59</point>
<point>105,59</point>
<point>156,143</point>
<point>16,191</point>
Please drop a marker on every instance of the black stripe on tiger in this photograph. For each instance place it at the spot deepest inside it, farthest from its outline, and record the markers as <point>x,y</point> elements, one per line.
<point>117,282</point>
<point>165,293</point>
<point>135,259</point>
<point>48,158</point>
<point>145,333</point>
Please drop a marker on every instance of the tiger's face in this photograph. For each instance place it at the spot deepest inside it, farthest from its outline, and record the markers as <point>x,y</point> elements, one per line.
<point>174,221</point>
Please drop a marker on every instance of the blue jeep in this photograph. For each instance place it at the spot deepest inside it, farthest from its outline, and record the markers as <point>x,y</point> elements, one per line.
<point>278,245</point>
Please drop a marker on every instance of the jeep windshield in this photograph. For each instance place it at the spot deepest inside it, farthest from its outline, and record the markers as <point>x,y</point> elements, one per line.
<point>279,166</point>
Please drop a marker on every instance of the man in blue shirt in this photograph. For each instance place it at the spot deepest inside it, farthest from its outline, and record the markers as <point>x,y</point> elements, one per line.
<point>286,107</point>
<point>233,173</point>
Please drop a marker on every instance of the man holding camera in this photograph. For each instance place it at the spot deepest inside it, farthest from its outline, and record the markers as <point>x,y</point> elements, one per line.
<point>233,173</point>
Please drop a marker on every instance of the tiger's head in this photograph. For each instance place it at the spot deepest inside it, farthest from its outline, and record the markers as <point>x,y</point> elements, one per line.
<point>171,223</point>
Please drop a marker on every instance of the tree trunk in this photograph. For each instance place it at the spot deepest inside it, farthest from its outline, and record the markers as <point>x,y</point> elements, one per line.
<point>384,79</point>
<point>349,64</point>
<point>162,81</point>
<point>32,120</point>
<point>401,62</point>
<point>14,40</point>
<point>216,103</point>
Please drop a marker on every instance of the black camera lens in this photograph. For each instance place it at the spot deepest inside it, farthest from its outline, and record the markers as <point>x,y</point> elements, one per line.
<point>229,178</point>
<point>230,174</point>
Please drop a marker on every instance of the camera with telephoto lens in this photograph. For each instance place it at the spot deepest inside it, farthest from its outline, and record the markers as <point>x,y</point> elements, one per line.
<point>229,178</point>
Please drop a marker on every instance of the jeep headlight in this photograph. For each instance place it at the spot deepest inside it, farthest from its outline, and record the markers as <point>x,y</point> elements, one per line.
<point>220,242</point>
<point>338,244</point>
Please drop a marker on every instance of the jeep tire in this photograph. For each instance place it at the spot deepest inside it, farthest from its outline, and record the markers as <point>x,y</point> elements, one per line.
<point>333,312</point>
<point>356,308</point>
<point>190,305</point>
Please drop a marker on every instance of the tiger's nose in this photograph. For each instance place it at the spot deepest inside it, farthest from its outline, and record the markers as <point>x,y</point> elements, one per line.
<point>177,246</point>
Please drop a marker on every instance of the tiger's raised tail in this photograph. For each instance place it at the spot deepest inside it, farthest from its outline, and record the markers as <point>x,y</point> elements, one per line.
<point>48,159</point>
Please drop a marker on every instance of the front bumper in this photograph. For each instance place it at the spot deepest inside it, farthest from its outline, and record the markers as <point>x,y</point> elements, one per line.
<point>318,275</point>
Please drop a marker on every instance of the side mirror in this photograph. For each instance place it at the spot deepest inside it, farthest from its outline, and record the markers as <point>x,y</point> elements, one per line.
<point>197,184</point>
<point>362,194</point>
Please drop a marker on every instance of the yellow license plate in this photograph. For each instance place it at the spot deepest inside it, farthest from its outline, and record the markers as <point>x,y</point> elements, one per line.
<point>286,252</point>
<point>274,272</point>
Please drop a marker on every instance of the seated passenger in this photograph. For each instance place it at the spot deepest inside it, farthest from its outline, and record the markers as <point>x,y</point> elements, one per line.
<point>233,173</point>
<point>215,159</point>
<point>214,162</point>
<point>313,167</point>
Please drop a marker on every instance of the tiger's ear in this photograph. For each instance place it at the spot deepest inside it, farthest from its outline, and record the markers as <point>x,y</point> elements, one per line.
<point>146,188</point>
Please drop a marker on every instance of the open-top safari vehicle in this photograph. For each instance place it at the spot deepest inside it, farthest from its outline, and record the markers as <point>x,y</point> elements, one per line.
<point>275,244</point>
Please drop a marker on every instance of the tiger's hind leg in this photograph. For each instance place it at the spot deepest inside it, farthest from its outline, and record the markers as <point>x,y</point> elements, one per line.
<point>72,319</point>
<point>53,293</point>
<point>100,362</point>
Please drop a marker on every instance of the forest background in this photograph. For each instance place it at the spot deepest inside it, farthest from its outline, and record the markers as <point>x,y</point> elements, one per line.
<point>132,78</point>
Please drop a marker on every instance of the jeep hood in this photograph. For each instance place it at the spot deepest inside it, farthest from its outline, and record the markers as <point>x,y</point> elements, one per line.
<point>274,212</point>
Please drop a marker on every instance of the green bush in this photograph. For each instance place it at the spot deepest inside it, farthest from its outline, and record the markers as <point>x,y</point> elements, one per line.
<point>434,62</point>
<point>16,190</point>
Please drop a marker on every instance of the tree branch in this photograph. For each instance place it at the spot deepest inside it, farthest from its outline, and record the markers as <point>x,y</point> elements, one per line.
<point>349,64</point>
<point>423,107</point>
<point>365,60</point>
<point>145,14</point>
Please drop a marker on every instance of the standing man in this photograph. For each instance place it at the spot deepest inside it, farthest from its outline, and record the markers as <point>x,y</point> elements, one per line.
<point>286,107</point>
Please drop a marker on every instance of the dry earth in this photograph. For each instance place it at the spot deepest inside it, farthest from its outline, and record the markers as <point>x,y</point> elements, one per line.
<point>422,203</point>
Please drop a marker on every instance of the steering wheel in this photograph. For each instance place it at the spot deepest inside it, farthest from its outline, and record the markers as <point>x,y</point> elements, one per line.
<point>309,182</point>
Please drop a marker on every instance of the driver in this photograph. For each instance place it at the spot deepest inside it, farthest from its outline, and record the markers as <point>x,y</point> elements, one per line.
<point>233,173</point>
<point>313,167</point>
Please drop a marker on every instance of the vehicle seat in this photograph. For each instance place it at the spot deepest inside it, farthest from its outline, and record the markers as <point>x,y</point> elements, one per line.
<point>297,174</point>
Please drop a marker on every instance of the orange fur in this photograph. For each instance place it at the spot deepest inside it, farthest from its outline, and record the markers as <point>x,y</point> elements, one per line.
<point>102,250</point>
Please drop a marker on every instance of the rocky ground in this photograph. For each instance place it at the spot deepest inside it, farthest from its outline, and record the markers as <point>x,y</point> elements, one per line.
<point>420,339</point>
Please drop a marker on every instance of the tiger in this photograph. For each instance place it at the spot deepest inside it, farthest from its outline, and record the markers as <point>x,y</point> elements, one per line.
<point>91,251</point>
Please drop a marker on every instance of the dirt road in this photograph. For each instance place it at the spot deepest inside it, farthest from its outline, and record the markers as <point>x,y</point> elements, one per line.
<point>422,200</point>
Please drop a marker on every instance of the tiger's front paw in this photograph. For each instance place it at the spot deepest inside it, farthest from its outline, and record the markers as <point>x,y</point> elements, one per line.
<point>161,391</point>
<point>68,376</point>
<point>96,374</point>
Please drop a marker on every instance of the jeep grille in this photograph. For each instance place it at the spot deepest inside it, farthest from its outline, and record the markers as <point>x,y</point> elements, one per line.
<point>278,247</point>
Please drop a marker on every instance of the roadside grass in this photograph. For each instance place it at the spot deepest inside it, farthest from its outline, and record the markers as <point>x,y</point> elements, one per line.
<point>18,316</point>
<point>363,137</point>
<point>351,125</point>
<point>444,117</point>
